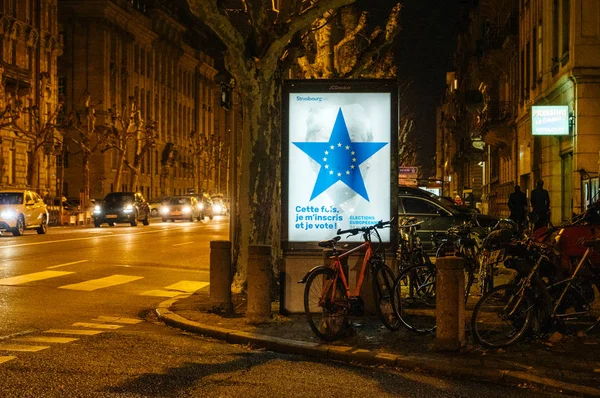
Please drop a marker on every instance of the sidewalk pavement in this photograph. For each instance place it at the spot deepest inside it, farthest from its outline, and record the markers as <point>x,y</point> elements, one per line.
<point>567,364</point>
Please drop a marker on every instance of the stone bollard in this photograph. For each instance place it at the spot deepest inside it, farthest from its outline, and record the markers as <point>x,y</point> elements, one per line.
<point>450,308</point>
<point>220,276</point>
<point>259,284</point>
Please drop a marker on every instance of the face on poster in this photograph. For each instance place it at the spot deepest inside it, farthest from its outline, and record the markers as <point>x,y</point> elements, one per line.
<point>339,163</point>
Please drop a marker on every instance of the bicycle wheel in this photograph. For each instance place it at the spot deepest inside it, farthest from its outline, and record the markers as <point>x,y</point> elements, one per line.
<point>383,288</point>
<point>326,310</point>
<point>579,311</point>
<point>414,298</point>
<point>501,317</point>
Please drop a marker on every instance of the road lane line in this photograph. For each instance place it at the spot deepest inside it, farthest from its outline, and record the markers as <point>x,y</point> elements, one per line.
<point>116,319</point>
<point>6,358</point>
<point>36,276</point>
<point>101,283</point>
<point>181,244</point>
<point>47,339</point>
<point>65,264</point>
<point>111,235</point>
<point>78,332</point>
<point>96,325</point>
<point>18,334</point>
<point>22,348</point>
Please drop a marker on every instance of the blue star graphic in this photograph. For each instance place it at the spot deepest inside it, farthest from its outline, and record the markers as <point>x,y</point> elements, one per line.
<point>339,159</point>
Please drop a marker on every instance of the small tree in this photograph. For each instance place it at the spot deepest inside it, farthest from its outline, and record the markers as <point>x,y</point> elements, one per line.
<point>80,128</point>
<point>122,127</point>
<point>42,131</point>
<point>145,140</point>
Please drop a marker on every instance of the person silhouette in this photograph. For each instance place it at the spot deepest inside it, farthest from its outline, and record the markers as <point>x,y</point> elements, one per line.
<point>540,205</point>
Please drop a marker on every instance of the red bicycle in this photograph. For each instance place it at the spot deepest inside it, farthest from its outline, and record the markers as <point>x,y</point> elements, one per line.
<point>328,301</point>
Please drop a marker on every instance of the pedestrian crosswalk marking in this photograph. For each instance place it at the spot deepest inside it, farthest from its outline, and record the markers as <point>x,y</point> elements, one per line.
<point>23,348</point>
<point>36,276</point>
<point>101,283</point>
<point>6,358</point>
<point>74,331</point>
<point>116,319</point>
<point>96,325</point>
<point>47,339</point>
<point>177,289</point>
<point>71,263</point>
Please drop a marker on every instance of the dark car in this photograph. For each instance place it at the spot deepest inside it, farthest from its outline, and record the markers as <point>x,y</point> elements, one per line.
<point>436,214</point>
<point>122,207</point>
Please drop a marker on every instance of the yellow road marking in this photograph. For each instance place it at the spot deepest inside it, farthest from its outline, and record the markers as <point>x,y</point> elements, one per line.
<point>108,235</point>
<point>47,339</point>
<point>177,289</point>
<point>101,283</point>
<point>181,244</point>
<point>71,263</point>
<point>6,358</point>
<point>23,348</point>
<point>96,325</point>
<point>116,319</point>
<point>74,331</point>
<point>36,276</point>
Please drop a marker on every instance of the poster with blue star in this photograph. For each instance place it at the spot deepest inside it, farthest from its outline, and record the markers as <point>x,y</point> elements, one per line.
<point>339,163</point>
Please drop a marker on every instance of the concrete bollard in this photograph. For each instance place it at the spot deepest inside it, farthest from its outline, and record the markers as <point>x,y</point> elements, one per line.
<point>220,276</point>
<point>450,308</point>
<point>259,284</point>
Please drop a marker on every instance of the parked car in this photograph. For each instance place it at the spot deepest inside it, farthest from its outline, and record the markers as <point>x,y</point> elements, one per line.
<point>436,214</point>
<point>184,207</point>
<point>22,209</point>
<point>122,207</point>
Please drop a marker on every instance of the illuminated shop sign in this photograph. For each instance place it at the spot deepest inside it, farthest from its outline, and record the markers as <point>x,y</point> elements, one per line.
<point>550,120</point>
<point>339,145</point>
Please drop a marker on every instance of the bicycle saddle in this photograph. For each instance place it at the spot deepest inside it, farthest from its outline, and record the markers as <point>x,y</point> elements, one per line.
<point>329,243</point>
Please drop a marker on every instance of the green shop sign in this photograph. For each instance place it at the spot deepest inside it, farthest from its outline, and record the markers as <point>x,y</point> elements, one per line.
<point>550,120</point>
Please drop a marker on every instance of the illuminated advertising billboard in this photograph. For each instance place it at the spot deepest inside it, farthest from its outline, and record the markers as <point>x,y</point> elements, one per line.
<point>339,138</point>
<point>550,120</point>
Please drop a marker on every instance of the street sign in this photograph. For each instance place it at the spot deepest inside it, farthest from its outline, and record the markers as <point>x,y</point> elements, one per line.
<point>407,176</point>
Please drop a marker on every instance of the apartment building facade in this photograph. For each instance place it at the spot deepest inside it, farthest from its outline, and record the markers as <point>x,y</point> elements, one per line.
<point>147,54</point>
<point>518,55</point>
<point>29,48</point>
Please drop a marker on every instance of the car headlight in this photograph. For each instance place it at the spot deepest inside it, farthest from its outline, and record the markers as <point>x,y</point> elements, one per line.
<point>186,209</point>
<point>97,209</point>
<point>217,208</point>
<point>200,206</point>
<point>164,210</point>
<point>128,209</point>
<point>9,214</point>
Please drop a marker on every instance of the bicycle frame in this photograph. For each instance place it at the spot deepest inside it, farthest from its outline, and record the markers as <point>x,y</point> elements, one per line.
<point>337,267</point>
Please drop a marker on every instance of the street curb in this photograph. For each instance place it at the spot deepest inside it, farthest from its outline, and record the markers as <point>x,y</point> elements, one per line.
<point>350,354</point>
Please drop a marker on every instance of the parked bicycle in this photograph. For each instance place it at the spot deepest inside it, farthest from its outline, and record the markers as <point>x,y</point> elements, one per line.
<point>328,301</point>
<point>544,299</point>
<point>465,241</point>
<point>414,290</point>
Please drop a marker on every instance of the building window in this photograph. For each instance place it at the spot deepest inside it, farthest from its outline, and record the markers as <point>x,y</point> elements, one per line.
<point>555,34</point>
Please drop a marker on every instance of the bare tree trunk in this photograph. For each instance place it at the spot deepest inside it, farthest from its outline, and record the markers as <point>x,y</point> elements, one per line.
<point>260,158</point>
<point>33,172</point>
<point>85,183</point>
<point>119,173</point>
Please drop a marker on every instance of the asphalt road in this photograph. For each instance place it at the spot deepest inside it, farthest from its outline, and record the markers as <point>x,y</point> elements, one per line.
<point>77,321</point>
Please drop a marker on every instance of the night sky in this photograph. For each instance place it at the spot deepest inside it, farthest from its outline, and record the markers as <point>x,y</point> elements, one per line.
<point>424,53</point>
